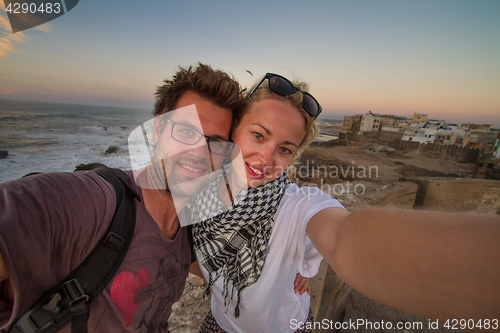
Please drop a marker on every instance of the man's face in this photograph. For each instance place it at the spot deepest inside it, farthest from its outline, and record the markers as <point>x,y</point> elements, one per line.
<point>187,168</point>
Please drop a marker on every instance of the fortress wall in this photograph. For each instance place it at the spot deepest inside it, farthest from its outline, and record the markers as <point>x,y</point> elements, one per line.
<point>428,193</point>
<point>459,153</point>
<point>386,135</point>
<point>402,195</point>
<point>395,195</point>
<point>457,194</point>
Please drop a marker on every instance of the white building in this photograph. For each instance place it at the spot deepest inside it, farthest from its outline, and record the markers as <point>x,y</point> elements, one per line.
<point>434,124</point>
<point>496,149</point>
<point>455,136</point>
<point>422,135</point>
<point>401,122</point>
<point>392,129</point>
<point>370,122</point>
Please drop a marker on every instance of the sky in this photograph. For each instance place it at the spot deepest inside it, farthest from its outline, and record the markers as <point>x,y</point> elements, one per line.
<point>440,58</point>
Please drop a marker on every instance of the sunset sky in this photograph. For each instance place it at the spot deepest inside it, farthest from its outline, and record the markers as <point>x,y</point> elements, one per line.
<point>440,58</point>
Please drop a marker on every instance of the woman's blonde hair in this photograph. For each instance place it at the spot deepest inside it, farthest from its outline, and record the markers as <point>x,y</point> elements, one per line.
<point>263,92</point>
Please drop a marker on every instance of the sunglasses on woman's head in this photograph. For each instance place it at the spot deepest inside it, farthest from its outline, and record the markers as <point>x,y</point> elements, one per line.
<point>282,86</point>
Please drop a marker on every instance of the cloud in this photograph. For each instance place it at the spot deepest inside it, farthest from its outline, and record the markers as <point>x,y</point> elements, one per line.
<point>11,93</point>
<point>8,92</point>
<point>9,40</point>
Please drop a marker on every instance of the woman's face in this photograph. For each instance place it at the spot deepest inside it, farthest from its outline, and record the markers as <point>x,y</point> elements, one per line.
<point>268,136</point>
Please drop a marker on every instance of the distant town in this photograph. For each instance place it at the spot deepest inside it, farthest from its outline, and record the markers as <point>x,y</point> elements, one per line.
<point>423,129</point>
<point>467,143</point>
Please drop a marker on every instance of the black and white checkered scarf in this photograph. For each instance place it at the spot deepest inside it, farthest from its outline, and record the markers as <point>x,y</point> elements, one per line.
<point>234,242</point>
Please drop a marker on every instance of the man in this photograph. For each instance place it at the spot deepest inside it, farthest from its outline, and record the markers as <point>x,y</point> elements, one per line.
<point>50,222</point>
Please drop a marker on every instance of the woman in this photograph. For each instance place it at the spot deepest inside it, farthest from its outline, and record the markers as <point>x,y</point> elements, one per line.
<point>255,280</point>
<point>252,241</point>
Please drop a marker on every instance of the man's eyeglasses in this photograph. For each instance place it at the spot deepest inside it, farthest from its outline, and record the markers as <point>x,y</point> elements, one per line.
<point>282,86</point>
<point>190,136</point>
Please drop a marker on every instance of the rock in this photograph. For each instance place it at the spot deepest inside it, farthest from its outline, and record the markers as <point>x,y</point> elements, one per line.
<point>4,153</point>
<point>111,150</point>
<point>195,280</point>
<point>189,313</point>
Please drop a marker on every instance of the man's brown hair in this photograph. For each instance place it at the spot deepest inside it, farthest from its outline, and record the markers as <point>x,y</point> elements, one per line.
<point>216,86</point>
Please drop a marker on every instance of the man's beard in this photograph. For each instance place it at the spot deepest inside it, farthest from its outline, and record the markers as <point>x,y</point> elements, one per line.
<point>168,176</point>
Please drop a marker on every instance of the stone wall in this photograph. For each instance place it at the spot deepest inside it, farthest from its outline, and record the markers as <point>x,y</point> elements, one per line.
<point>457,194</point>
<point>391,136</point>
<point>394,195</point>
<point>458,153</point>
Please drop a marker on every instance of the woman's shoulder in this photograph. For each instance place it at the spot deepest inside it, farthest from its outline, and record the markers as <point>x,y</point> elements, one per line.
<point>304,191</point>
<point>308,194</point>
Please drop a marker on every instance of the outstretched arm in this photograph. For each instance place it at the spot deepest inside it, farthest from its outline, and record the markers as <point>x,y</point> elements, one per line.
<point>433,264</point>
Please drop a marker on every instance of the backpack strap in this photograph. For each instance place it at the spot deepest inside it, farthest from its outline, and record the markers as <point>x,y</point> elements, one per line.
<point>69,300</point>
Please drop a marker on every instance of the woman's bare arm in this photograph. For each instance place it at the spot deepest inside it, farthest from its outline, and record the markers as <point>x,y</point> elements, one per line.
<point>433,264</point>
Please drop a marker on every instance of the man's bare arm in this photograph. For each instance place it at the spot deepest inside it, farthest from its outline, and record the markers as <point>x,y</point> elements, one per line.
<point>196,270</point>
<point>436,265</point>
<point>3,269</point>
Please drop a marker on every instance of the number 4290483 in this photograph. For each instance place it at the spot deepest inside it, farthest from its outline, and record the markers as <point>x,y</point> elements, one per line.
<point>486,324</point>
<point>33,8</point>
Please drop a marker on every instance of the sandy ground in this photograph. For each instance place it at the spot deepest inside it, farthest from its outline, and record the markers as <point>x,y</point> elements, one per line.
<point>391,164</point>
<point>191,310</point>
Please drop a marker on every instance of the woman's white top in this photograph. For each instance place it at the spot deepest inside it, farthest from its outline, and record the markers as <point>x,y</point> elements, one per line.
<point>270,305</point>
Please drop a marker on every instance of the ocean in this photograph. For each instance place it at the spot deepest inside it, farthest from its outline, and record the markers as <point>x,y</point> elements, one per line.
<point>53,137</point>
